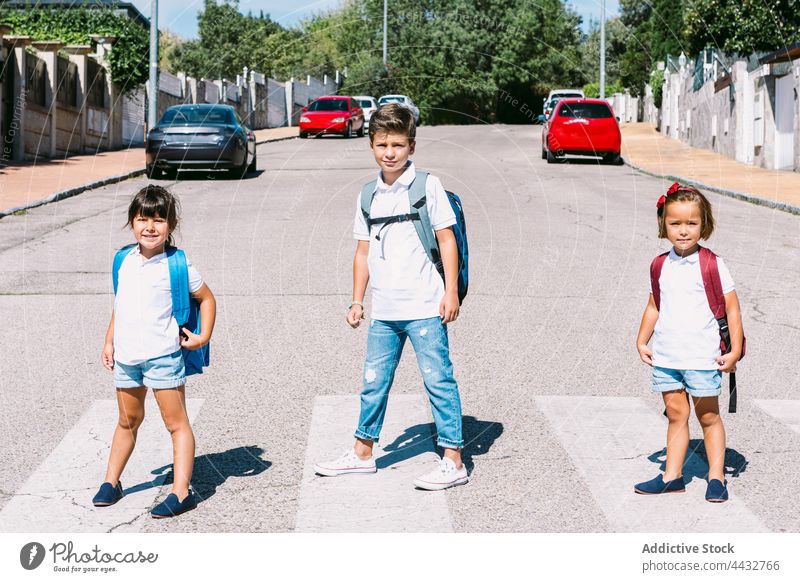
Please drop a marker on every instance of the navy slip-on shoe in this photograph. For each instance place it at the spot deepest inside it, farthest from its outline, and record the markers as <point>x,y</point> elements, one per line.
<point>107,495</point>
<point>171,507</point>
<point>657,485</point>
<point>717,492</point>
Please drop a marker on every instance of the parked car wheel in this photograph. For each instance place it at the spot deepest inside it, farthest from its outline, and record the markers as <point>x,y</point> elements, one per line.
<point>151,172</point>
<point>348,131</point>
<point>360,132</point>
<point>544,153</point>
<point>613,158</point>
<point>303,135</point>
<point>253,167</point>
<point>240,172</point>
<point>551,159</point>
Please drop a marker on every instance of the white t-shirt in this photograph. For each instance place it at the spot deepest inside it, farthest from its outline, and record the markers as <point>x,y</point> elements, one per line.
<point>686,336</point>
<point>144,327</point>
<point>405,283</point>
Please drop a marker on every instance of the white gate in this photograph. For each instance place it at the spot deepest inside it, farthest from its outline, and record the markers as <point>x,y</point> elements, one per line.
<point>784,123</point>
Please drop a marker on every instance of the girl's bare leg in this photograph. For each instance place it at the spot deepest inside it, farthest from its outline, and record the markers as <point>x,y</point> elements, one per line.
<point>707,411</point>
<point>131,414</point>
<point>172,403</point>
<point>677,433</point>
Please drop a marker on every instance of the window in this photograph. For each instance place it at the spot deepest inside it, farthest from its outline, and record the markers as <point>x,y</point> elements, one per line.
<point>328,105</point>
<point>585,110</point>
<point>198,116</point>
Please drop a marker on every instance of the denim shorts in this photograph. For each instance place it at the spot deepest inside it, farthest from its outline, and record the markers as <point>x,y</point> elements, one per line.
<point>696,382</point>
<point>157,373</point>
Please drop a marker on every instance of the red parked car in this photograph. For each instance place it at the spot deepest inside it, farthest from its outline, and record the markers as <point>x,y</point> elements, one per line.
<point>584,127</point>
<point>333,114</point>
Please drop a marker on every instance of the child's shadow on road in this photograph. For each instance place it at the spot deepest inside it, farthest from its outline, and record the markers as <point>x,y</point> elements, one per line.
<point>212,470</point>
<point>696,464</point>
<point>479,436</point>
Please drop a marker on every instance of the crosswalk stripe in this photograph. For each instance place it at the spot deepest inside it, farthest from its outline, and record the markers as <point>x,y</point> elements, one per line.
<point>382,502</point>
<point>786,411</point>
<point>616,442</point>
<point>57,497</point>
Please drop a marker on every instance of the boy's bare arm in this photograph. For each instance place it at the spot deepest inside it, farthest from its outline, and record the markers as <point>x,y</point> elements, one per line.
<point>727,362</point>
<point>449,307</point>
<point>649,318</point>
<point>107,356</point>
<point>360,280</point>
<point>208,316</point>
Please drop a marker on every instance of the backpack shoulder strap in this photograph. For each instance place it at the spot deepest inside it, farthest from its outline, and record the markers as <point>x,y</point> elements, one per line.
<point>118,258</point>
<point>179,285</point>
<point>367,193</point>
<point>655,274</point>
<point>712,282</point>
<point>417,199</point>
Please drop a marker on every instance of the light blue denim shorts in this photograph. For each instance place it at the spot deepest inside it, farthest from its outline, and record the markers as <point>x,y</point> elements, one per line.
<point>157,373</point>
<point>696,382</point>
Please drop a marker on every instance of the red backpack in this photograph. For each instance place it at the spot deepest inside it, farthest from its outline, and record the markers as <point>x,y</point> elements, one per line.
<point>716,301</point>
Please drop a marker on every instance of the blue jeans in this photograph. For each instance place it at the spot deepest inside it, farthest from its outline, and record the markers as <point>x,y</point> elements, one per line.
<point>384,346</point>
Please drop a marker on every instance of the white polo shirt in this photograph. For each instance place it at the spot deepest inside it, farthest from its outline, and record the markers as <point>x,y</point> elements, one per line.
<point>686,336</point>
<point>405,283</point>
<point>144,327</point>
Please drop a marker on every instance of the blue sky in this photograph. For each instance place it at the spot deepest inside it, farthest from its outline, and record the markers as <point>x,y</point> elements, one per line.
<point>181,16</point>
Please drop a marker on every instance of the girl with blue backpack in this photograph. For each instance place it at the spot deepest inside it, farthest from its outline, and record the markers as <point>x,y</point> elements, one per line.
<point>155,339</point>
<point>694,319</point>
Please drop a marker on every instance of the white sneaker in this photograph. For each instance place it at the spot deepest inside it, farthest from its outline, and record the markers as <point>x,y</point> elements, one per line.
<point>446,475</point>
<point>347,463</point>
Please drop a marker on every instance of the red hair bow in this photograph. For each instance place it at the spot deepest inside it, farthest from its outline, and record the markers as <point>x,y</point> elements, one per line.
<point>672,189</point>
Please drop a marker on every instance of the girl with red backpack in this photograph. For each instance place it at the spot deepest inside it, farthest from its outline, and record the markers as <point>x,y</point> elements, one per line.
<point>692,304</point>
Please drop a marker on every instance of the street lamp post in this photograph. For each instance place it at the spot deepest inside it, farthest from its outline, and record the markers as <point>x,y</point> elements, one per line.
<point>603,50</point>
<point>152,102</point>
<point>385,18</point>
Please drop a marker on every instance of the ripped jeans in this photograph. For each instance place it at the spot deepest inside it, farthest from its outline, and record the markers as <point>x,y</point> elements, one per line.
<point>384,346</point>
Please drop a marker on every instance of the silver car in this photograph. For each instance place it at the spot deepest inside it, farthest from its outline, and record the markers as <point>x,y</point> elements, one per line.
<point>404,100</point>
<point>368,104</point>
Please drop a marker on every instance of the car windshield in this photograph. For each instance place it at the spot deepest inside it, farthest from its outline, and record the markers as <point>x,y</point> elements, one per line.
<point>585,110</point>
<point>365,102</point>
<point>198,116</point>
<point>385,100</point>
<point>328,105</point>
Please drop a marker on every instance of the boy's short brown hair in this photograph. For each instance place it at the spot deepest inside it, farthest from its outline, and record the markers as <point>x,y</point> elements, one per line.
<point>393,118</point>
<point>688,194</point>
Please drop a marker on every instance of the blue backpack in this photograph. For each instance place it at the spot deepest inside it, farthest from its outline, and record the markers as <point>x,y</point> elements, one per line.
<point>422,223</point>
<point>185,308</point>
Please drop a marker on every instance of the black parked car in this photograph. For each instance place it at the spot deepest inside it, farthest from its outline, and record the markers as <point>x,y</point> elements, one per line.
<point>192,137</point>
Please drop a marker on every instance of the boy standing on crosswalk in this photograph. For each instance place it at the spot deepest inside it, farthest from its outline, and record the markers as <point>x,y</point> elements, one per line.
<point>410,300</point>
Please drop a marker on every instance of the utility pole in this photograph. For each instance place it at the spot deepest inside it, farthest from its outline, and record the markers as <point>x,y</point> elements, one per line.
<point>152,101</point>
<point>385,19</point>
<point>603,50</point>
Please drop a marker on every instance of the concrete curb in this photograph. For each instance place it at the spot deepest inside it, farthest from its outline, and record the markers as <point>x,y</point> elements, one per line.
<point>730,193</point>
<point>74,191</point>
<point>99,184</point>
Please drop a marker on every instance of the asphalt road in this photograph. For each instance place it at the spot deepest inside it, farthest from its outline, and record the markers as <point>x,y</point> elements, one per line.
<point>559,418</point>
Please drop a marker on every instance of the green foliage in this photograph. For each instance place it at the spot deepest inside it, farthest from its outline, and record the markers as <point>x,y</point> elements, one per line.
<point>741,26</point>
<point>657,84</point>
<point>616,36</point>
<point>655,28</point>
<point>592,90</point>
<point>128,58</point>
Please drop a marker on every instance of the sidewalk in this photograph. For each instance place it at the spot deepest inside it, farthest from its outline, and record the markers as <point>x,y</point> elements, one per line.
<point>28,185</point>
<point>645,149</point>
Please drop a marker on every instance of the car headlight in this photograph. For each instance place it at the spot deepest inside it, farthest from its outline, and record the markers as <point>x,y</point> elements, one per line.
<point>156,135</point>
<point>305,120</point>
<point>338,119</point>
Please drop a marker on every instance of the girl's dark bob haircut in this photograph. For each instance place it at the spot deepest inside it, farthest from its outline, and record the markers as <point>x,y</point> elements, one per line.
<point>688,194</point>
<point>393,118</point>
<point>155,202</point>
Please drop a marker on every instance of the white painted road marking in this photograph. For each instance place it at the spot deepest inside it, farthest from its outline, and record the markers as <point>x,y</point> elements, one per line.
<point>611,440</point>
<point>58,495</point>
<point>385,501</point>
<point>786,411</point>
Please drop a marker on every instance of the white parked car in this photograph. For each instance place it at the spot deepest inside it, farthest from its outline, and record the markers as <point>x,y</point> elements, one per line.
<point>368,104</point>
<point>402,100</point>
<point>563,94</point>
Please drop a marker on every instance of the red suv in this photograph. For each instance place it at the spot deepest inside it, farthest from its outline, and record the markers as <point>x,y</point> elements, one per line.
<point>333,114</point>
<point>584,127</point>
